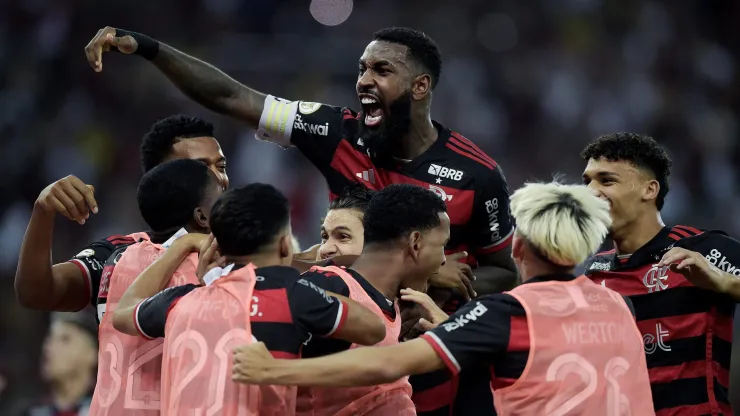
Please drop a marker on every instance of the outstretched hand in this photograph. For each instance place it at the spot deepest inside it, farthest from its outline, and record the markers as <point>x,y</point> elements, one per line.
<point>104,41</point>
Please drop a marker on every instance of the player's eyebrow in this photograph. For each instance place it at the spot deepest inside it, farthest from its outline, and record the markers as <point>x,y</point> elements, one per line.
<point>600,174</point>
<point>375,64</point>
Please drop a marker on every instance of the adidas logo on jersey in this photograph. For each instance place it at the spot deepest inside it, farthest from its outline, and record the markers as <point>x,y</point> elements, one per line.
<point>444,172</point>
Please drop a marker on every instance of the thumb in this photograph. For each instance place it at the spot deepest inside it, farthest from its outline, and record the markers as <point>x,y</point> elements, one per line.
<point>426,325</point>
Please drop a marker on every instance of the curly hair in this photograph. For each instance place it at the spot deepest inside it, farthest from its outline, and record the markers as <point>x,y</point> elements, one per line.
<point>156,145</point>
<point>397,210</point>
<point>642,151</point>
<point>421,48</point>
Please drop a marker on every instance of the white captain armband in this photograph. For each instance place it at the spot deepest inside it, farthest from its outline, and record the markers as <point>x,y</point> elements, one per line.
<point>276,121</point>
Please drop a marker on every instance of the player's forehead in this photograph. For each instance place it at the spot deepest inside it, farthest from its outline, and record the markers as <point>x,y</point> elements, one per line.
<point>603,166</point>
<point>345,219</point>
<point>384,52</point>
<point>206,149</point>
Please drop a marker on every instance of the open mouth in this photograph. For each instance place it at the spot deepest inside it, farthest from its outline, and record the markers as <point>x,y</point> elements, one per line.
<point>372,109</point>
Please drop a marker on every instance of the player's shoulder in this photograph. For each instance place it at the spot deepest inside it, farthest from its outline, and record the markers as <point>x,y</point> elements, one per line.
<point>600,261</point>
<point>717,246</point>
<point>461,160</point>
<point>276,277</point>
<point>466,153</point>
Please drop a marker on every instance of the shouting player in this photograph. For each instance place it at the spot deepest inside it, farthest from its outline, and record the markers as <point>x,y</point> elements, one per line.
<point>393,139</point>
<point>175,200</point>
<point>72,285</point>
<point>255,295</point>
<point>557,344</point>
<point>406,228</point>
<point>682,280</point>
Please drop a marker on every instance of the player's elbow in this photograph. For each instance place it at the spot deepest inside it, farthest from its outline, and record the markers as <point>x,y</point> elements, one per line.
<point>29,297</point>
<point>373,333</point>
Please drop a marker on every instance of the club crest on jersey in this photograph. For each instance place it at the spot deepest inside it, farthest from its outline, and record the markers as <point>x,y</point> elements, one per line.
<point>307,107</point>
<point>656,278</point>
<point>441,193</point>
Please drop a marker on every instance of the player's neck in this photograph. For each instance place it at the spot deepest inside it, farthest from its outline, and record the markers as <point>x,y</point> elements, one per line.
<point>377,268</point>
<point>258,260</point>
<point>632,236</point>
<point>71,390</point>
<point>420,137</point>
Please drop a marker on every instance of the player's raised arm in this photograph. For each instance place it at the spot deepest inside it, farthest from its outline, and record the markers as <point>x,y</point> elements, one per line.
<point>199,80</point>
<point>38,283</point>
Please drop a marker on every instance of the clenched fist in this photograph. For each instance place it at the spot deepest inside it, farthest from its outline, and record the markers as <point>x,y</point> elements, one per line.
<point>70,197</point>
<point>103,41</point>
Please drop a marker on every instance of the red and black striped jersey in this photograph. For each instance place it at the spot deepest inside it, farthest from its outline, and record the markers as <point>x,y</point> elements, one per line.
<point>687,330</point>
<point>466,178</point>
<point>286,311</point>
<point>92,259</point>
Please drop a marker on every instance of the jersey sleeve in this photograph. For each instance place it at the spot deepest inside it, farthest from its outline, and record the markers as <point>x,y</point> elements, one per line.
<point>475,334</point>
<point>150,315</point>
<point>491,226</point>
<point>314,128</point>
<point>722,251</point>
<point>314,310</point>
<point>327,281</point>
<point>91,261</point>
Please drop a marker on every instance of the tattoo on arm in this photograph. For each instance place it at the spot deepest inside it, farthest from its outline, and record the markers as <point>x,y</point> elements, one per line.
<point>209,86</point>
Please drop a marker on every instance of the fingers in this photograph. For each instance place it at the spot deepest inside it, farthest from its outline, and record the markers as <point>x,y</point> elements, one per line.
<point>94,49</point>
<point>72,200</point>
<point>674,255</point>
<point>466,287</point>
<point>87,192</point>
<point>60,208</point>
<point>457,256</point>
<point>426,325</point>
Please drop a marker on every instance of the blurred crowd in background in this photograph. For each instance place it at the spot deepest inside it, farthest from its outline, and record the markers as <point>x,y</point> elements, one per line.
<point>530,82</point>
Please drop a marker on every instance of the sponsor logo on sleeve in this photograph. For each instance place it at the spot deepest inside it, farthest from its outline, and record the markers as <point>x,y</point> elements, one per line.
<point>307,107</point>
<point>493,225</point>
<point>719,261</point>
<point>317,129</point>
<point>463,319</point>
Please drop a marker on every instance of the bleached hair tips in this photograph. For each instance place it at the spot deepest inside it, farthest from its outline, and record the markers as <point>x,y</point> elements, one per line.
<point>566,223</point>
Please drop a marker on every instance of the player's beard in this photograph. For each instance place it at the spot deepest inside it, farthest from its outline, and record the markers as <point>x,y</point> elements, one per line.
<point>382,141</point>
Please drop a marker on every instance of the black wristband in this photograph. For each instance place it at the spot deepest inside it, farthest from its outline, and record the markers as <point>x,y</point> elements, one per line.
<point>147,48</point>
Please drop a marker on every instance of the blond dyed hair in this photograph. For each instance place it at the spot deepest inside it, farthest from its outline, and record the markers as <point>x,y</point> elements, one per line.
<point>566,223</point>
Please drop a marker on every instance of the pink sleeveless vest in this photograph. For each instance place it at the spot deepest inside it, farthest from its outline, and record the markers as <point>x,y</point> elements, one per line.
<point>201,332</point>
<point>586,355</point>
<point>129,367</point>
<point>387,399</point>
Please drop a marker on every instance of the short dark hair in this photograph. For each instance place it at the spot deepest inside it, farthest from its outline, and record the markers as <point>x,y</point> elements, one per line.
<point>157,143</point>
<point>422,48</point>
<point>399,209</point>
<point>355,196</point>
<point>245,219</point>
<point>642,151</point>
<point>169,193</point>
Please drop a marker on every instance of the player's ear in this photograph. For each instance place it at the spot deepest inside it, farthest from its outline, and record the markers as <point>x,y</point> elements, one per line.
<point>200,218</point>
<point>415,244</point>
<point>421,87</point>
<point>652,188</point>
<point>286,246</point>
<point>517,245</point>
